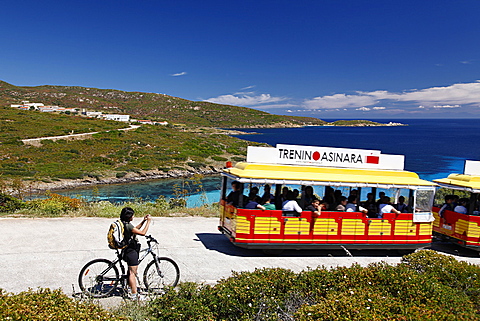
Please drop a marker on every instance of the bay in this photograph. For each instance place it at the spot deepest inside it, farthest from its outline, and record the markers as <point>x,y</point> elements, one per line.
<point>433,148</point>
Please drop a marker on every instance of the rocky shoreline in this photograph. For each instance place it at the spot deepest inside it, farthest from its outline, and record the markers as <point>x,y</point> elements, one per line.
<point>63,184</point>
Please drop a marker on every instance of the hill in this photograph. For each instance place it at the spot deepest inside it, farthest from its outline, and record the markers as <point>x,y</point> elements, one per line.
<point>151,106</point>
<point>151,151</point>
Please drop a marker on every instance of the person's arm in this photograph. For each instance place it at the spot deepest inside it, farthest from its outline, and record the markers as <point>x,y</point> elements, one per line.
<point>362,209</point>
<point>394,210</point>
<point>137,230</point>
<point>297,207</point>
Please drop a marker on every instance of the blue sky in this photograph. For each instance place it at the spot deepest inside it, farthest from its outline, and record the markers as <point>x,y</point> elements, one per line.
<point>330,59</point>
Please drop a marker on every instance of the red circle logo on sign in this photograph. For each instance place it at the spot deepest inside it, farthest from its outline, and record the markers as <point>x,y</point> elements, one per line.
<point>316,156</point>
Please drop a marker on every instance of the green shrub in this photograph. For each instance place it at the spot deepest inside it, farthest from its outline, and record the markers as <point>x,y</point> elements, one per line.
<point>55,204</point>
<point>188,302</point>
<point>446,270</point>
<point>9,203</point>
<point>45,304</point>
<point>120,174</point>
<point>420,288</point>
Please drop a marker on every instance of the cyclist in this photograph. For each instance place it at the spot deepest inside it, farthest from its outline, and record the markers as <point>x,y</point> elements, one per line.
<point>131,252</point>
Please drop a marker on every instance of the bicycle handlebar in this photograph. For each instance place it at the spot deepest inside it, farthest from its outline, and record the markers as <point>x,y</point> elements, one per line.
<point>150,239</point>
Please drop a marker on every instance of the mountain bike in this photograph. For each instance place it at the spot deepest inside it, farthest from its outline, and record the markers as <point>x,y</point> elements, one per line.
<point>99,278</point>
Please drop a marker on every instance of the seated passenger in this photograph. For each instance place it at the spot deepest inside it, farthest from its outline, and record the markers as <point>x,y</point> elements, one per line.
<point>307,196</point>
<point>370,205</point>
<point>381,195</point>
<point>352,205</point>
<point>462,207</point>
<point>253,202</point>
<point>447,205</point>
<point>342,205</point>
<point>290,207</point>
<point>315,208</point>
<point>281,198</point>
<point>268,205</point>
<point>386,207</point>
<point>401,206</point>
<point>267,193</point>
<point>253,191</point>
<point>235,196</point>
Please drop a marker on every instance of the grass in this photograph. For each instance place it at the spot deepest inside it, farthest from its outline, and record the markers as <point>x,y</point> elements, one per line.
<point>160,208</point>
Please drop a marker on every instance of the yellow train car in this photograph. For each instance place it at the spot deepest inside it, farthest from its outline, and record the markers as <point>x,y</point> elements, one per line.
<point>457,212</point>
<point>331,174</point>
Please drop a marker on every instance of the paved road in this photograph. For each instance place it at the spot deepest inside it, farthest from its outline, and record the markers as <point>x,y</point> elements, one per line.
<point>50,252</point>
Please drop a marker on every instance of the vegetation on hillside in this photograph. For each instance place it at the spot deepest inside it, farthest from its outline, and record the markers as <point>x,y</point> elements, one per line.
<point>426,285</point>
<point>151,106</point>
<point>22,124</point>
<point>117,153</point>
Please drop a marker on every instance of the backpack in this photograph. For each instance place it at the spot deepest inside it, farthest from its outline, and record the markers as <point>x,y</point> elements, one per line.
<point>116,237</point>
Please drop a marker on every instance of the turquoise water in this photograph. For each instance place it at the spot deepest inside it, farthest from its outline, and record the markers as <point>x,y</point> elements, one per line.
<point>432,148</point>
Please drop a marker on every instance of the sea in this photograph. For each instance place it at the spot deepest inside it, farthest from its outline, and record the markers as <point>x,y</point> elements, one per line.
<point>433,148</point>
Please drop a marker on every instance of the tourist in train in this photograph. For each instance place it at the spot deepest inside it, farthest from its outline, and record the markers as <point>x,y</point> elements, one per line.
<point>253,191</point>
<point>352,205</point>
<point>386,207</point>
<point>329,198</point>
<point>447,205</point>
<point>268,205</point>
<point>267,194</point>
<point>455,201</point>
<point>379,202</point>
<point>370,205</point>
<point>462,206</point>
<point>354,192</point>
<point>342,206</point>
<point>235,197</point>
<point>307,197</point>
<point>296,194</point>
<point>338,195</point>
<point>315,207</point>
<point>253,202</point>
<point>401,206</point>
<point>281,198</point>
<point>290,207</point>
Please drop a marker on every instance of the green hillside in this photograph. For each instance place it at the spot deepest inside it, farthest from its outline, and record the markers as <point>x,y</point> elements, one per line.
<point>110,153</point>
<point>151,106</point>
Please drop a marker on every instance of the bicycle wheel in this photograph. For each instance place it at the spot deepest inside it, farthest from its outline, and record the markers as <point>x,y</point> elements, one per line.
<point>160,275</point>
<point>98,278</point>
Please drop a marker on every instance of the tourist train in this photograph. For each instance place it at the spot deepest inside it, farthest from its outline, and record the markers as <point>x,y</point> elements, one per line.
<point>457,207</point>
<point>370,179</point>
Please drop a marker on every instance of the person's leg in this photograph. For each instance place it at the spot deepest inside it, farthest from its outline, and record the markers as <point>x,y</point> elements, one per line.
<point>132,278</point>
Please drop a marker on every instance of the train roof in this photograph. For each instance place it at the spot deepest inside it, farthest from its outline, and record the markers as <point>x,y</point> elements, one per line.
<point>326,176</point>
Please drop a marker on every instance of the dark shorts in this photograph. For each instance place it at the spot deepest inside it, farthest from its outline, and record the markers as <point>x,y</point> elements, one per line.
<point>131,253</point>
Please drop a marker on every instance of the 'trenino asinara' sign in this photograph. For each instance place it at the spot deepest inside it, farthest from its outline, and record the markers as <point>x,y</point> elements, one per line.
<point>324,156</point>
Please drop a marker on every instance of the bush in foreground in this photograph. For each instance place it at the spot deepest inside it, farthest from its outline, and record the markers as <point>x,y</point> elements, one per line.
<point>425,286</point>
<point>45,304</point>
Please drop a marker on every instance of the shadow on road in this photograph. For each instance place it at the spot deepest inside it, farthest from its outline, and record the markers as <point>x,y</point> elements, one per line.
<point>446,247</point>
<point>218,242</point>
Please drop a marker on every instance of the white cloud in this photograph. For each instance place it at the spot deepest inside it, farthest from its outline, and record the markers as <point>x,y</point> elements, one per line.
<point>245,99</point>
<point>363,109</point>
<point>454,95</point>
<point>379,108</point>
<point>340,101</point>
<point>248,87</point>
<point>446,106</point>
<point>183,73</point>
